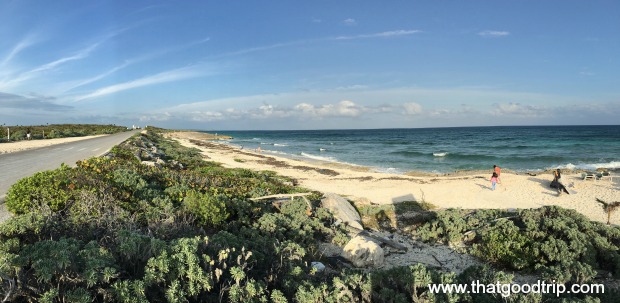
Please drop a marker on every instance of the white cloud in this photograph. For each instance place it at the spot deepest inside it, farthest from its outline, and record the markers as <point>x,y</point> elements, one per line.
<point>412,108</point>
<point>352,87</point>
<point>489,33</point>
<point>379,107</point>
<point>343,108</point>
<point>519,110</point>
<point>349,22</point>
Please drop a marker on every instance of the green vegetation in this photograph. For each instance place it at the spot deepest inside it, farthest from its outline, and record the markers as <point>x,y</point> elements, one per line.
<point>59,131</point>
<point>154,222</point>
<point>556,243</point>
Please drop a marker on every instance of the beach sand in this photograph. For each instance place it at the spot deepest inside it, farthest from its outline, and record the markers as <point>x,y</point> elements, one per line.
<point>11,147</point>
<point>467,190</point>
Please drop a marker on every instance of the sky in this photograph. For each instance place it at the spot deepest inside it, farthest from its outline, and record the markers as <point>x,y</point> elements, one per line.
<point>242,65</point>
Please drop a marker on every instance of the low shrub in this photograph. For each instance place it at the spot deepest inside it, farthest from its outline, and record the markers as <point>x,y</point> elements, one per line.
<point>50,187</point>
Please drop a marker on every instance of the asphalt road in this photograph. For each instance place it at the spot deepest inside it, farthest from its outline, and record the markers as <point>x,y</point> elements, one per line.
<point>14,166</point>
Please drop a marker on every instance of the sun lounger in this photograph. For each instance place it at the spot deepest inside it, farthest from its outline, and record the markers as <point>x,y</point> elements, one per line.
<point>605,175</point>
<point>588,176</point>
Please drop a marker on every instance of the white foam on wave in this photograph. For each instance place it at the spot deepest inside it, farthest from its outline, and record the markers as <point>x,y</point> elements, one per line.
<point>320,158</point>
<point>280,144</point>
<point>277,152</point>
<point>322,149</point>
<point>440,154</point>
<point>389,170</point>
<point>591,166</point>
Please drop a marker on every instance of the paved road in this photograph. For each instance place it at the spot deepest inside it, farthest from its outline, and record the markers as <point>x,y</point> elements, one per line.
<point>15,166</point>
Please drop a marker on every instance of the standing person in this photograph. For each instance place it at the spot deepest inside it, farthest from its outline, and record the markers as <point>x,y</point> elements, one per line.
<point>494,179</point>
<point>28,134</point>
<point>497,171</point>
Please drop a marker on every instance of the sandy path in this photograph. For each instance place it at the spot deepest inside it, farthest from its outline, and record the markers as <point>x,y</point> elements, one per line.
<point>11,147</point>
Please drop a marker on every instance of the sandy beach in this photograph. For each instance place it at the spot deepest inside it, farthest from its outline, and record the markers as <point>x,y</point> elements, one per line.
<point>11,147</point>
<point>468,190</point>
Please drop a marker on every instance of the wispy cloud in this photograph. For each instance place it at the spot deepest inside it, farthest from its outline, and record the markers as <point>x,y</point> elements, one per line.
<point>81,54</point>
<point>21,45</point>
<point>349,22</point>
<point>387,34</point>
<point>35,72</point>
<point>493,34</point>
<point>163,77</point>
<point>265,47</point>
<point>78,83</point>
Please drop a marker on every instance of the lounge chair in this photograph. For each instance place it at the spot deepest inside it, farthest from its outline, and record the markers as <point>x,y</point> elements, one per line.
<point>588,176</point>
<point>605,175</point>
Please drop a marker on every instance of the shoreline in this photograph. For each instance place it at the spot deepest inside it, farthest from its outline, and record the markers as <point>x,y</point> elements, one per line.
<point>462,189</point>
<point>412,173</point>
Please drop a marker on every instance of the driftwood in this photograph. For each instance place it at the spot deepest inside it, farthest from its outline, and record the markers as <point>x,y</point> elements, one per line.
<point>281,196</point>
<point>379,238</point>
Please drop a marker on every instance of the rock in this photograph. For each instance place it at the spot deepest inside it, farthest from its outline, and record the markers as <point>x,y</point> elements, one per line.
<point>342,209</point>
<point>362,201</point>
<point>150,163</point>
<point>363,252</point>
<point>318,266</point>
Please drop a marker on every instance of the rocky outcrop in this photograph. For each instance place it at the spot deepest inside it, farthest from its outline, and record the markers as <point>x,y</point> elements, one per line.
<point>342,210</point>
<point>364,252</point>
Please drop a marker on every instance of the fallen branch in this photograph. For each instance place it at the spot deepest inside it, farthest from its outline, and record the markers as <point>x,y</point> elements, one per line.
<point>280,196</point>
<point>381,239</point>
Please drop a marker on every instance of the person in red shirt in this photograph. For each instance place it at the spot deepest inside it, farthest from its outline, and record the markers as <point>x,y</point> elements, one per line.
<point>498,171</point>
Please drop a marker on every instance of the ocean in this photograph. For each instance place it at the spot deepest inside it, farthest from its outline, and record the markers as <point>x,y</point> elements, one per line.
<point>445,150</point>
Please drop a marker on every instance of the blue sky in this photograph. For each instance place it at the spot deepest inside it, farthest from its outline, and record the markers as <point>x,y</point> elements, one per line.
<point>310,64</point>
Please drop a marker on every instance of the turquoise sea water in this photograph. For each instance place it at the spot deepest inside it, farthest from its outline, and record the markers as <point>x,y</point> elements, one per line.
<point>443,150</point>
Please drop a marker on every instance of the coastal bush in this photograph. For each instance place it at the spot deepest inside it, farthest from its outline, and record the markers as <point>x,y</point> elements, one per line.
<point>504,243</point>
<point>209,210</point>
<point>560,244</point>
<point>66,269</point>
<point>62,130</point>
<point>50,187</point>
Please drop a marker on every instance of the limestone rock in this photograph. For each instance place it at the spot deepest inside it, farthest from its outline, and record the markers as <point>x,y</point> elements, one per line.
<point>363,252</point>
<point>150,163</point>
<point>342,209</point>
